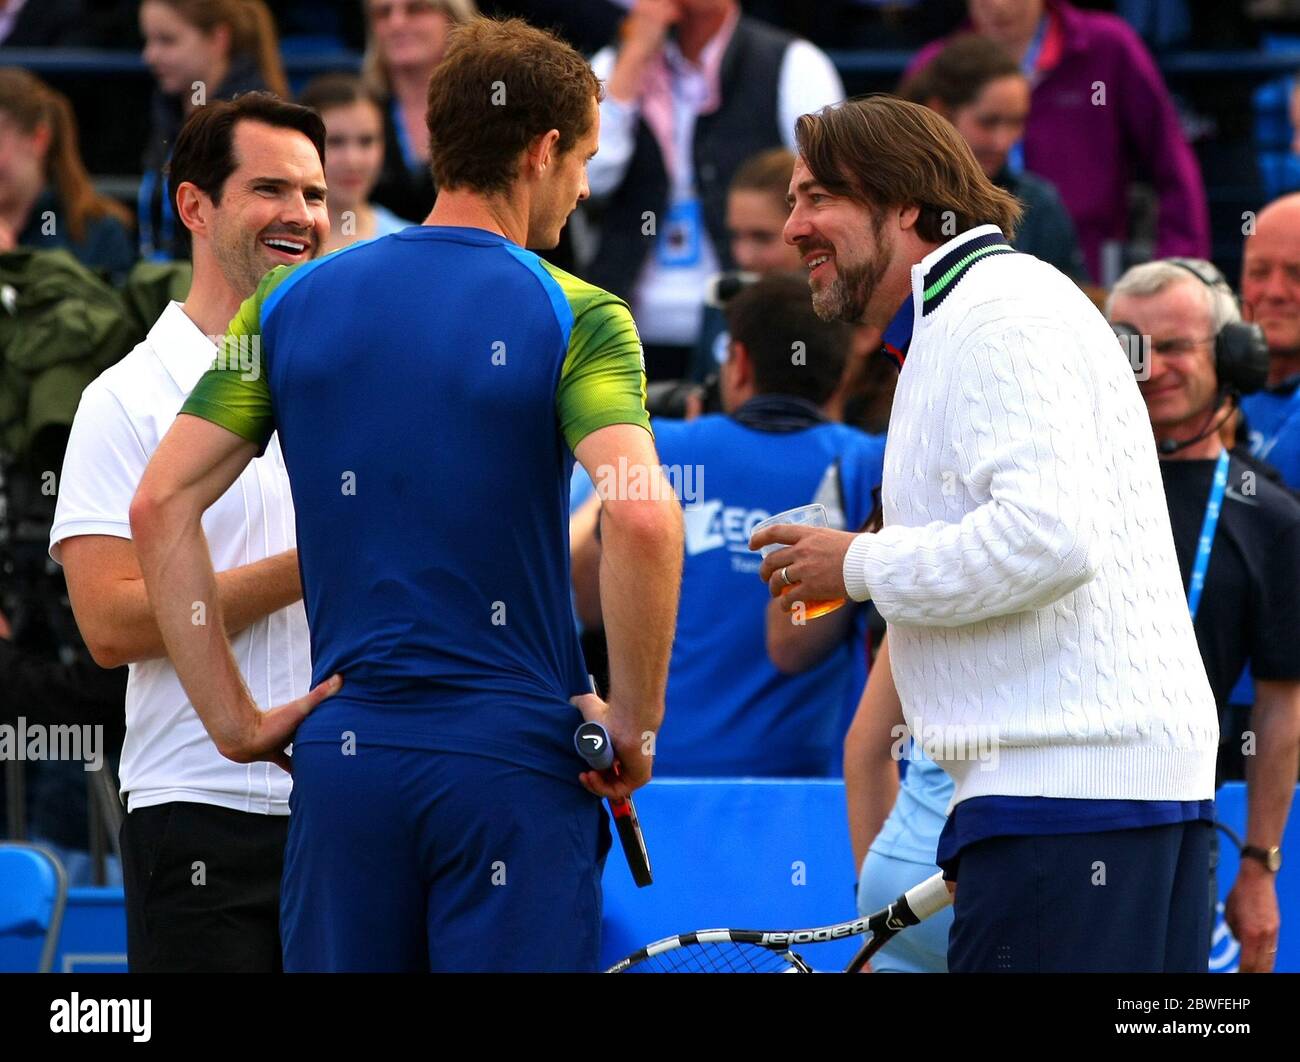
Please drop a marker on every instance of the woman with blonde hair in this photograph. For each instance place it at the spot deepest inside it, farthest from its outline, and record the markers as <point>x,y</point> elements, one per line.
<point>405,41</point>
<point>198,51</point>
<point>47,199</point>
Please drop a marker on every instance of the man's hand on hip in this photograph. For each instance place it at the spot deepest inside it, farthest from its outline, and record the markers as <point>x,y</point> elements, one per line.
<point>813,560</point>
<point>634,764</point>
<point>270,732</point>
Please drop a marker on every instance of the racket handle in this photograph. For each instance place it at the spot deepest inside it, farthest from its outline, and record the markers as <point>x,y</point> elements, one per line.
<point>628,827</point>
<point>916,905</point>
<point>593,745</point>
<point>928,898</point>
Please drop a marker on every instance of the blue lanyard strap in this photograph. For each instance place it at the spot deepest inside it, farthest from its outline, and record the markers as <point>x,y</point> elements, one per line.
<point>1030,61</point>
<point>403,142</point>
<point>1208,526</point>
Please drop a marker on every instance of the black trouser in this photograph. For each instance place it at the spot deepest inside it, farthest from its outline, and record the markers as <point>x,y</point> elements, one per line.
<point>202,889</point>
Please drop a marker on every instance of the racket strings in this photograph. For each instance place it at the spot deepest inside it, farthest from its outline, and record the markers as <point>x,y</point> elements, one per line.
<point>717,957</point>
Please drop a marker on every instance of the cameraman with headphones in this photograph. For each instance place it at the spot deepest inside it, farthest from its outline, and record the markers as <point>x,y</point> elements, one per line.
<point>1237,536</point>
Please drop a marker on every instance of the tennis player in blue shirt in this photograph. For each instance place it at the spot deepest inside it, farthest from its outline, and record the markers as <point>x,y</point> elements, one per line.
<point>431,390</point>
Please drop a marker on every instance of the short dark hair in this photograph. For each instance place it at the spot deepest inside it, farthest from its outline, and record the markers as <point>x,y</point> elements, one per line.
<point>794,352</point>
<point>204,153</point>
<point>885,152</point>
<point>500,85</point>
<point>958,74</point>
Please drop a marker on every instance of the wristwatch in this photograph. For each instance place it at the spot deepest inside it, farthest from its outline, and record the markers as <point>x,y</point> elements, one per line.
<point>1270,857</point>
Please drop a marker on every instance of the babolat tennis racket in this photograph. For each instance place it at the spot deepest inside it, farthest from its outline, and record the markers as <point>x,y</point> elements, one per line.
<point>759,951</point>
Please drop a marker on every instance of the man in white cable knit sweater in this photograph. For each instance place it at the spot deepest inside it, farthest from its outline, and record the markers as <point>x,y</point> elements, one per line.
<point>1026,567</point>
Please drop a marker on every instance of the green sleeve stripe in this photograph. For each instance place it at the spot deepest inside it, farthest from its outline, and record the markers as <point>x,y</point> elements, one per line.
<point>602,381</point>
<point>235,393</point>
<point>224,417</point>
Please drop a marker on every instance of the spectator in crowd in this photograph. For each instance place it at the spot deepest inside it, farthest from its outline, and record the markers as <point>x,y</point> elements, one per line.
<point>198,51</point>
<point>1270,296</point>
<point>251,190</point>
<point>730,710</point>
<point>692,90</point>
<point>405,42</point>
<point>1237,536</point>
<point>756,213</point>
<point>1100,111</point>
<point>354,154</point>
<point>47,199</point>
<point>976,85</point>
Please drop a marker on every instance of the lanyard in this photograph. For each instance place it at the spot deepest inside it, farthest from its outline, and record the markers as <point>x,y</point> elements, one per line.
<point>1208,525</point>
<point>154,184</point>
<point>1030,61</point>
<point>413,164</point>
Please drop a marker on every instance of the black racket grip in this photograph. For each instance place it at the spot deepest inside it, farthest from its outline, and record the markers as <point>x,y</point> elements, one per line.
<point>593,745</point>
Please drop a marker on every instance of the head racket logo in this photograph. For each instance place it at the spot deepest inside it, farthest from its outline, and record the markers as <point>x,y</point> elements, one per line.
<point>597,742</point>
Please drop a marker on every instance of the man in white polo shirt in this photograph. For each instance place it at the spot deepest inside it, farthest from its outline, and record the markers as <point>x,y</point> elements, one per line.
<point>203,839</point>
<point>1026,566</point>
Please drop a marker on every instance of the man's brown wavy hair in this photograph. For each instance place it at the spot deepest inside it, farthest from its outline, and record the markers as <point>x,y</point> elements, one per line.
<point>502,84</point>
<point>885,152</point>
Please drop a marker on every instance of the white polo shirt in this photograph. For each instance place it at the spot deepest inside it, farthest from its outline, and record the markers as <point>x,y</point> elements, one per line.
<point>121,419</point>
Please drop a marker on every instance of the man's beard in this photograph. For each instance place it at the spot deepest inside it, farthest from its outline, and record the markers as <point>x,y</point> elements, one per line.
<point>241,260</point>
<point>845,298</point>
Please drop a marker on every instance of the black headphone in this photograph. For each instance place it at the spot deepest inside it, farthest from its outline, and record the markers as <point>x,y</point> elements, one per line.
<point>1240,349</point>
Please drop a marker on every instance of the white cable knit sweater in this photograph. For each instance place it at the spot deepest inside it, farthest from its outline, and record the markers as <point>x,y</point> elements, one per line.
<point>1026,567</point>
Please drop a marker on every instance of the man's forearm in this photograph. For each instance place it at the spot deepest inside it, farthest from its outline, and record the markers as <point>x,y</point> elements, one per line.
<point>870,788</point>
<point>247,594</point>
<point>628,76</point>
<point>1271,772</point>
<point>640,582</point>
<point>182,586</point>
<point>795,647</point>
<point>870,763</point>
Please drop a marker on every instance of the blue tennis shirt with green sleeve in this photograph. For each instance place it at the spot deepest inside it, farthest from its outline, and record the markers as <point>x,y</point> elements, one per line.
<point>429,454</point>
<point>429,388</point>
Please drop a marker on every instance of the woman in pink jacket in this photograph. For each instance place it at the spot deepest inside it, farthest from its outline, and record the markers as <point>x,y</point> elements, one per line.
<point>1101,116</point>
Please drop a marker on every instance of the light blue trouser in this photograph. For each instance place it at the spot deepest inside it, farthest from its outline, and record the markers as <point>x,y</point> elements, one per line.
<point>919,949</point>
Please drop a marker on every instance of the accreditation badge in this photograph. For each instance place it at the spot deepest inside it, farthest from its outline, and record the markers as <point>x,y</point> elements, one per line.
<point>681,234</point>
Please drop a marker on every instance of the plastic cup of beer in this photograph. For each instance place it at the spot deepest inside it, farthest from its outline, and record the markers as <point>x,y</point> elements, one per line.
<point>813,515</point>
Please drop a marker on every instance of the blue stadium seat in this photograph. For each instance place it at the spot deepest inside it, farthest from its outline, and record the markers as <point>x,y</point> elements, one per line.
<point>33,893</point>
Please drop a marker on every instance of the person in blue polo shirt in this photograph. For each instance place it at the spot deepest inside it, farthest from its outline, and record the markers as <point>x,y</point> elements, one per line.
<point>431,390</point>
<point>730,711</point>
